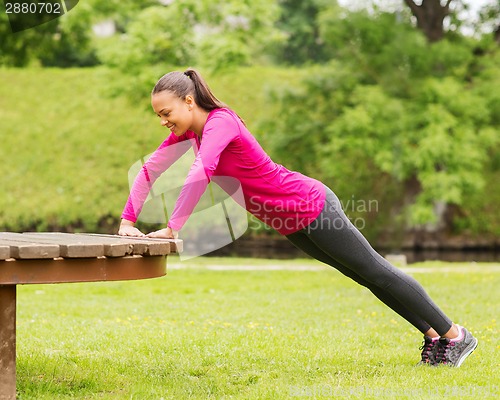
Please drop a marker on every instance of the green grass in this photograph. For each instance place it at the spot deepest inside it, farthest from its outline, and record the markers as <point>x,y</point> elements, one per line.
<point>200,334</point>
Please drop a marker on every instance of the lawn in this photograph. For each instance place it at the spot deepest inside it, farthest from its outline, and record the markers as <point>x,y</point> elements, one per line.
<point>200,333</point>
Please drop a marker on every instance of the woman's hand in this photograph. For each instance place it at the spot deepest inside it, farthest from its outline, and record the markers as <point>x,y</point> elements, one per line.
<point>127,228</point>
<point>166,233</point>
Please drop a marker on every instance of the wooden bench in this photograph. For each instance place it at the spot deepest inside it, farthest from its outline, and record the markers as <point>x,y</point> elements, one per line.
<point>61,257</point>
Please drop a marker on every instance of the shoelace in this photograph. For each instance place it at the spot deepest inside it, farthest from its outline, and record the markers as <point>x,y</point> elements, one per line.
<point>442,351</point>
<point>426,350</point>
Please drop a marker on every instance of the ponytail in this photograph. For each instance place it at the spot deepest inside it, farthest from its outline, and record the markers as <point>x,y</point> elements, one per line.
<point>202,93</point>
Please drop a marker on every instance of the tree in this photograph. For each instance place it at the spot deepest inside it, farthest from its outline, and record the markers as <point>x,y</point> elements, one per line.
<point>430,16</point>
<point>18,49</point>
<point>393,108</point>
<point>299,22</point>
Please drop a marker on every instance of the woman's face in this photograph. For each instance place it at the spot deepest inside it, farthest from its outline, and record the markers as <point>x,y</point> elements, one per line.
<point>174,112</point>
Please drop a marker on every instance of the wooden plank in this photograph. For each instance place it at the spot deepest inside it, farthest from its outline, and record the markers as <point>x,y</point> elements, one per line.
<point>71,249</point>
<point>133,245</point>
<point>23,249</point>
<point>34,250</point>
<point>4,252</point>
<point>175,244</point>
<point>145,246</point>
<point>112,248</point>
<point>71,246</point>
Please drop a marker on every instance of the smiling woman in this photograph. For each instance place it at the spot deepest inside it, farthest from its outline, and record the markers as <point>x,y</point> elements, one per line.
<point>301,208</point>
<point>176,114</point>
<point>176,91</point>
<point>183,101</point>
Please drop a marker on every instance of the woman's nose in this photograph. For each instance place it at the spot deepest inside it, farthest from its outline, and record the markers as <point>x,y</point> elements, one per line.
<point>164,122</point>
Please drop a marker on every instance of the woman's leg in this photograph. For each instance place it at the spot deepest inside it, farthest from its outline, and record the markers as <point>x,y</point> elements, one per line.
<point>302,241</point>
<point>335,235</point>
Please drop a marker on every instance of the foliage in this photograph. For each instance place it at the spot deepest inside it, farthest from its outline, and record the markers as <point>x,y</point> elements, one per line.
<point>425,118</point>
<point>151,38</point>
<point>299,22</point>
<point>61,42</point>
<point>71,46</point>
<point>206,33</point>
<point>209,34</point>
<point>216,35</point>
<point>235,33</point>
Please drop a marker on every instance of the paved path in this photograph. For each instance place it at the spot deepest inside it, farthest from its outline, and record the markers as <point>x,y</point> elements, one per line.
<point>462,268</point>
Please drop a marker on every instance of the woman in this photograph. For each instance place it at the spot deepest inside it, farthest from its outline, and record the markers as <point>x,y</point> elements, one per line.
<point>301,208</point>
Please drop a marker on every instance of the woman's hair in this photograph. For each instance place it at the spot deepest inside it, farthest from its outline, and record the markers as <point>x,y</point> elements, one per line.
<point>187,83</point>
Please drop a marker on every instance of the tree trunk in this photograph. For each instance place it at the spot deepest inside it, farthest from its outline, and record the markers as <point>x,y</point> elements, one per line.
<point>430,16</point>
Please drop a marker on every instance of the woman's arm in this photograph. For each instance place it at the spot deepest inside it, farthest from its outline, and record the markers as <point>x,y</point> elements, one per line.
<point>164,156</point>
<point>220,130</point>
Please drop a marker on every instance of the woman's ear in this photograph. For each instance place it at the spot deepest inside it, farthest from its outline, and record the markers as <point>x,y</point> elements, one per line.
<point>190,101</point>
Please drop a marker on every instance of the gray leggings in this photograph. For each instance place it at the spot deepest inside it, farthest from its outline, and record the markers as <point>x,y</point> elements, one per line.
<point>334,240</point>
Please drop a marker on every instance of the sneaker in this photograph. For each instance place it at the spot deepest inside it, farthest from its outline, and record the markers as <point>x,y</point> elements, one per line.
<point>429,351</point>
<point>454,353</point>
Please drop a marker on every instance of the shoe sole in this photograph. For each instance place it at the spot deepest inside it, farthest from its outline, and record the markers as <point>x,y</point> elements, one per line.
<point>470,348</point>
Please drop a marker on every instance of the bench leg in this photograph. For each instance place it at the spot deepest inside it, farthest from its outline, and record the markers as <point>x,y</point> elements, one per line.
<point>7,342</point>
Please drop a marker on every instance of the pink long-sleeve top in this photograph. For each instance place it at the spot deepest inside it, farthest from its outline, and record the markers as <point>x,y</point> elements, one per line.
<point>285,200</point>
